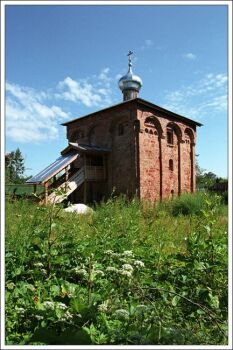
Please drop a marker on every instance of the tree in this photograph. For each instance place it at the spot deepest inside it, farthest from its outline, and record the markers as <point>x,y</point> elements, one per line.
<point>204,179</point>
<point>14,167</point>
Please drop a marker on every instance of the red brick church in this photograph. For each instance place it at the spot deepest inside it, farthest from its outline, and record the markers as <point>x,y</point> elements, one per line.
<point>134,147</point>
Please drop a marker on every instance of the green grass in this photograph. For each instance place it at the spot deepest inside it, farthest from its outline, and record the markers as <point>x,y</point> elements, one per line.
<point>178,297</point>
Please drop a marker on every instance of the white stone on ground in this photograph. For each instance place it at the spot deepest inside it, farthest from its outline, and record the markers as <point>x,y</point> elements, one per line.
<point>79,209</point>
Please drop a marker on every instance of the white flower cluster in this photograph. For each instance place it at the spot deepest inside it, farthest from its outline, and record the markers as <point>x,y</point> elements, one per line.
<point>80,271</point>
<point>128,253</point>
<point>38,264</point>
<point>103,307</point>
<point>112,269</point>
<point>66,317</point>
<point>127,267</point>
<point>49,305</point>
<point>126,273</point>
<point>19,310</point>
<point>61,306</point>
<point>138,263</point>
<point>39,317</point>
<point>108,252</point>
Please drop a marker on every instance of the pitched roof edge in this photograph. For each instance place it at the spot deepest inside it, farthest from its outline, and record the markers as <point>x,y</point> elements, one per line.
<point>140,101</point>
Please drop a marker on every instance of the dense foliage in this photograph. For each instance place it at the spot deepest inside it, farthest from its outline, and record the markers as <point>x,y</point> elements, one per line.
<point>128,274</point>
<point>14,167</point>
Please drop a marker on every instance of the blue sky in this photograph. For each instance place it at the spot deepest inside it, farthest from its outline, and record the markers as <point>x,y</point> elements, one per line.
<point>63,62</point>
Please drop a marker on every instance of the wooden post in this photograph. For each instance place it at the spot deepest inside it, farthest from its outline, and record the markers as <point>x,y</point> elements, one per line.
<point>66,177</point>
<point>85,182</point>
<point>34,188</point>
<point>46,192</point>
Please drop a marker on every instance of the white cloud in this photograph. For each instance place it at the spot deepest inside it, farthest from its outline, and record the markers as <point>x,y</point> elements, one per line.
<point>190,56</point>
<point>32,116</point>
<point>205,97</point>
<point>28,118</point>
<point>92,91</point>
<point>75,91</point>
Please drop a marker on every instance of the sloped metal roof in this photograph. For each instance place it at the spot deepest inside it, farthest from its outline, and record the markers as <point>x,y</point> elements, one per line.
<point>92,148</point>
<point>54,168</point>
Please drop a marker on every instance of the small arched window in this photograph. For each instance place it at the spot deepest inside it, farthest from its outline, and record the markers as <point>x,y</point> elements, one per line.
<point>171,164</point>
<point>170,136</point>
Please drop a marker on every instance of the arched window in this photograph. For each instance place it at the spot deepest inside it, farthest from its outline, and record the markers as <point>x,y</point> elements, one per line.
<point>169,136</point>
<point>171,164</point>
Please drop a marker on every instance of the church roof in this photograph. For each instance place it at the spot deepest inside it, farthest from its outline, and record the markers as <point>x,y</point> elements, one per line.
<point>142,102</point>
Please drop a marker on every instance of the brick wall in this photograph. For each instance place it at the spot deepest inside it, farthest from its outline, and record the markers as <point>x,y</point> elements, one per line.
<point>166,169</point>
<point>115,130</point>
<point>142,160</point>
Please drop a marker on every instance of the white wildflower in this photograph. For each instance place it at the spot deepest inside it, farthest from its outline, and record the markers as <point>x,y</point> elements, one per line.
<point>79,271</point>
<point>49,305</point>
<point>19,310</point>
<point>111,269</point>
<point>66,317</point>
<point>121,314</point>
<point>38,317</point>
<point>126,273</point>
<point>127,267</point>
<point>61,306</point>
<point>103,307</point>
<point>108,252</point>
<point>128,253</point>
<point>139,263</point>
<point>43,271</point>
<point>38,264</point>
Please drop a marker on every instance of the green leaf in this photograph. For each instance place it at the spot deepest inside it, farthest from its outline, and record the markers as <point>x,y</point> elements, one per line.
<point>214,301</point>
<point>175,300</point>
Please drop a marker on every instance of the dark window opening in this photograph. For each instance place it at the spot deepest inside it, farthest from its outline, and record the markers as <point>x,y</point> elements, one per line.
<point>121,129</point>
<point>94,160</point>
<point>170,137</point>
<point>171,164</point>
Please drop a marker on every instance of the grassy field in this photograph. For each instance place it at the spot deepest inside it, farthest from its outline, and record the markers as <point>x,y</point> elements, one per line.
<point>130,273</point>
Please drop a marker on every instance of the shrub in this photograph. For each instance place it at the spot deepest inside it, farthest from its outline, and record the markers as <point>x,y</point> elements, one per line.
<point>188,204</point>
<point>225,197</point>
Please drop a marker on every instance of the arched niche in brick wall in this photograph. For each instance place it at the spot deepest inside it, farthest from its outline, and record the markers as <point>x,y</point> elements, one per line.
<point>189,140</point>
<point>173,126</point>
<point>153,122</point>
<point>188,133</point>
<point>177,131</point>
<point>153,128</point>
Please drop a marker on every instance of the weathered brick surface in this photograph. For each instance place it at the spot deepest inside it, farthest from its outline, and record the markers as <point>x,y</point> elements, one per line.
<point>140,153</point>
